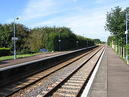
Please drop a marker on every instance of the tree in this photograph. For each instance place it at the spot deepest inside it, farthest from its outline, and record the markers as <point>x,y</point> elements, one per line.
<point>115,23</point>
<point>110,40</point>
<point>36,39</point>
<point>6,34</point>
<point>22,33</point>
<point>43,37</point>
<point>97,41</point>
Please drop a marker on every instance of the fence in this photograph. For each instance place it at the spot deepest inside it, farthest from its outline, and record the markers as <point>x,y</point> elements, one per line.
<point>121,51</point>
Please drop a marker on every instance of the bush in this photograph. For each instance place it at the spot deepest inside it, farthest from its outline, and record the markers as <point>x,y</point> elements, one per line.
<point>5,51</point>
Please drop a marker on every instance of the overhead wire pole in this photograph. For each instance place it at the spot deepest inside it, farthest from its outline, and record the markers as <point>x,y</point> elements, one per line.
<point>126,32</point>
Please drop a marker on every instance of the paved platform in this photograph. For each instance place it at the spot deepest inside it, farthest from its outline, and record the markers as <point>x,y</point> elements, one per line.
<point>112,78</point>
<point>28,59</point>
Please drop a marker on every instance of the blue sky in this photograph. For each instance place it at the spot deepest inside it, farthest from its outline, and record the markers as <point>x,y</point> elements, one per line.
<point>84,17</point>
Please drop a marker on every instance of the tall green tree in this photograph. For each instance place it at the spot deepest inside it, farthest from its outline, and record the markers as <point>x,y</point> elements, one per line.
<point>43,37</point>
<point>22,33</point>
<point>6,34</point>
<point>115,23</point>
<point>36,39</point>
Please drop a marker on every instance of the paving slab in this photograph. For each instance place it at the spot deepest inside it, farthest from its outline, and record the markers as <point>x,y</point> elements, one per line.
<point>112,78</point>
<point>99,86</point>
<point>118,76</point>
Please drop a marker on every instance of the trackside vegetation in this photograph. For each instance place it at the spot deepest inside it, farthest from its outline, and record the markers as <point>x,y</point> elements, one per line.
<point>32,40</point>
<point>5,51</point>
<point>115,23</point>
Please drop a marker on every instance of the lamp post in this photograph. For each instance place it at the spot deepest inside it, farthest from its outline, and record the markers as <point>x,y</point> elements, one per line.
<point>126,32</point>
<point>14,37</point>
<point>59,40</point>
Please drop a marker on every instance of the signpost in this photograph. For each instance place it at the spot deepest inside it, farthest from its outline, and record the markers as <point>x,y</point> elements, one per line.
<point>14,38</point>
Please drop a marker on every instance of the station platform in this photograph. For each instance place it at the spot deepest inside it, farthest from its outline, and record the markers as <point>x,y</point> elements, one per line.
<point>112,77</point>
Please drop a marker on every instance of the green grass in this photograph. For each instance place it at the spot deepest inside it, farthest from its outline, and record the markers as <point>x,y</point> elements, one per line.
<point>18,56</point>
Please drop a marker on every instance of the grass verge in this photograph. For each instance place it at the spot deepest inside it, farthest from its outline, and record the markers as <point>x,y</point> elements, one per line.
<point>18,56</point>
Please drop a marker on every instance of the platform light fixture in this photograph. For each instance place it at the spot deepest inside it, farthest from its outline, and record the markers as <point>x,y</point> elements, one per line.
<point>14,38</point>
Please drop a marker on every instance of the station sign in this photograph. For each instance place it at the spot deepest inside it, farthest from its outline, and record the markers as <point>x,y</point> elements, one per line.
<point>14,38</point>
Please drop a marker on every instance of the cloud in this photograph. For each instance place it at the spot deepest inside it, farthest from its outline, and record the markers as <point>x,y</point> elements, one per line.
<point>88,22</point>
<point>100,1</point>
<point>82,19</point>
<point>38,8</point>
<point>43,8</point>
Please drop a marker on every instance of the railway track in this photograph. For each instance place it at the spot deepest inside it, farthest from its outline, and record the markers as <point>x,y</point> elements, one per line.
<point>34,86</point>
<point>71,85</point>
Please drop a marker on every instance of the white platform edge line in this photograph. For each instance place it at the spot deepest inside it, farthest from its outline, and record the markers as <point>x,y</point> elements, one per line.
<point>88,86</point>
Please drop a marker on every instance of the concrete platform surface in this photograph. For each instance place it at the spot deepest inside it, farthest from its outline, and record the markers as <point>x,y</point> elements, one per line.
<point>112,78</point>
<point>11,62</point>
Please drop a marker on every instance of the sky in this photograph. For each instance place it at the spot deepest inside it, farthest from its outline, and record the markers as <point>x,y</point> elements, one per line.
<point>83,17</point>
